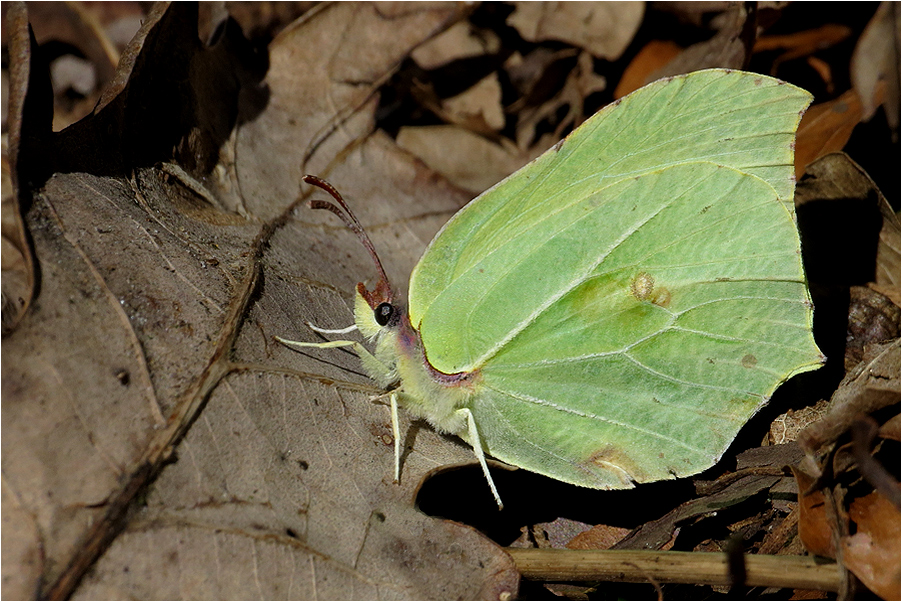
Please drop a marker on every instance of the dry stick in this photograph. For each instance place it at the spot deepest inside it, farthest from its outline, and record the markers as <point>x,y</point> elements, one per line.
<point>709,568</point>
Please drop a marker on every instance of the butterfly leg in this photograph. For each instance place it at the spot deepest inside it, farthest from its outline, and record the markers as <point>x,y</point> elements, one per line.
<point>298,345</point>
<point>396,433</point>
<point>476,442</point>
<point>381,373</point>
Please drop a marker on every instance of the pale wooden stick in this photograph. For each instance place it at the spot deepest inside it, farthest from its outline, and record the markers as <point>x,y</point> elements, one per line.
<point>634,566</point>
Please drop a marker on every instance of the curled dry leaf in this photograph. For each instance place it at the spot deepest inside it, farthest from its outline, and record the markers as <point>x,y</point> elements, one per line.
<point>18,280</point>
<point>876,59</point>
<point>734,490</point>
<point>787,426</point>
<point>18,272</point>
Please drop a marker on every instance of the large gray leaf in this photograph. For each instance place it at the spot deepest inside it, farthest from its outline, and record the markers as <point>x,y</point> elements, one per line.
<point>156,442</point>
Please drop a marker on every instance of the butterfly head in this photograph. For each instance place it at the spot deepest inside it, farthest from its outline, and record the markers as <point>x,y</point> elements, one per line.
<point>374,310</point>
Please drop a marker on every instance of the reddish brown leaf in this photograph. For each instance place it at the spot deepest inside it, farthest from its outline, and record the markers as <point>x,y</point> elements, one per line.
<point>873,552</point>
<point>599,537</point>
<point>653,56</point>
<point>814,526</point>
<point>826,128</point>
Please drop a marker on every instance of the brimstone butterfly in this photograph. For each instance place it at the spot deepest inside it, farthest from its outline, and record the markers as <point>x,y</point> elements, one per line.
<point>614,312</point>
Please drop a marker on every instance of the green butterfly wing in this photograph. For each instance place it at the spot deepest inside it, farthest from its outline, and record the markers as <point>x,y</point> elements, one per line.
<point>633,296</point>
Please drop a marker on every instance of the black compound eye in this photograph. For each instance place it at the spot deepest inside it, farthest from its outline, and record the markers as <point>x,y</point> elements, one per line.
<point>384,313</point>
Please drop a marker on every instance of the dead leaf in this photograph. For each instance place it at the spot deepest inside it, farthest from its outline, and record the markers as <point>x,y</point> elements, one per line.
<point>891,429</point>
<point>579,84</point>
<point>873,318</point>
<point>656,534</point>
<point>479,107</point>
<point>802,43</point>
<point>17,265</point>
<point>478,163</point>
<point>872,553</point>
<point>599,537</point>
<point>815,529</point>
<point>538,75</point>
<point>784,538</point>
<point>18,282</point>
<point>86,50</point>
<point>166,269</point>
<point>558,533</point>
<point>876,58</point>
<point>889,263</point>
<point>787,426</point>
<point>729,47</point>
<point>652,58</point>
<point>460,41</point>
<point>854,396</point>
<point>825,129</point>
<point>604,29</point>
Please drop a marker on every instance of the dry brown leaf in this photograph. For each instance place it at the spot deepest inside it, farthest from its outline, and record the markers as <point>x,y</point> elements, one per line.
<point>891,428</point>
<point>825,129</point>
<point>784,538</point>
<point>479,107</point>
<point>872,553</point>
<point>476,163</point>
<point>579,84</point>
<point>787,426</point>
<point>814,517</point>
<point>18,273</point>
<point>557,533</point>
<point>804,43</point>
<point>459,41</point>
<point>873,319</point>
<point>840,245</point>
<point>856,395</point>
<point>659,534</point>
<point>876,58</point>
<point>151,340</point>
<point>18,269</point>
<point>888,279</point>
<point>727,48</point>
<point>653,57</point>
<point>22,562</point>
<point>604,29</point>
<point>599,537</point>
<point>79,25</point>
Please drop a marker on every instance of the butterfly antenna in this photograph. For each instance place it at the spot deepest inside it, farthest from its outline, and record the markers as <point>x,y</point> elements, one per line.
<point>350,220</point>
